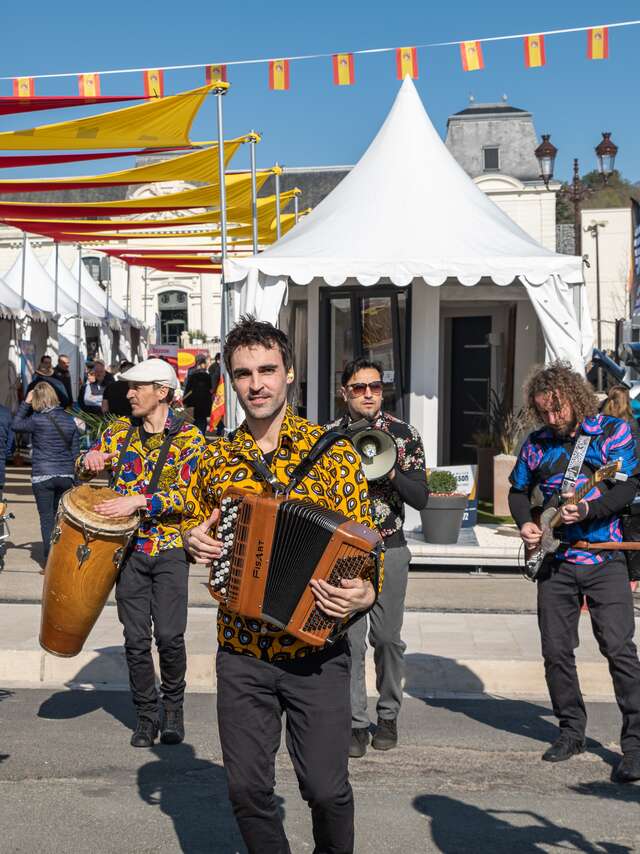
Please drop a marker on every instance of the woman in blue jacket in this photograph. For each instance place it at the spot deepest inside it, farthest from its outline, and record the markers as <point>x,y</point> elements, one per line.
<point>55,443</point>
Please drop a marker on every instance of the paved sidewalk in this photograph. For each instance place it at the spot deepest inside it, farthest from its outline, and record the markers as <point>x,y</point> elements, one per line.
<point>458,653</point>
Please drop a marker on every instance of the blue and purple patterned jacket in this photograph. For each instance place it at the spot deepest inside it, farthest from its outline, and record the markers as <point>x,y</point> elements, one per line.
<point>542,462</point>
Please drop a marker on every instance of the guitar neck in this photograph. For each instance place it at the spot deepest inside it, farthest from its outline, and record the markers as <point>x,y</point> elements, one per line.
<point>578,496</point>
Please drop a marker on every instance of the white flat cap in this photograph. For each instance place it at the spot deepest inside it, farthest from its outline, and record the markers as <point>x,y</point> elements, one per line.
<point>151,371</point>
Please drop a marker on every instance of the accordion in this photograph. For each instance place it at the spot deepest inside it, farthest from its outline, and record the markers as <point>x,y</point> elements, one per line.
<point>273,546</point>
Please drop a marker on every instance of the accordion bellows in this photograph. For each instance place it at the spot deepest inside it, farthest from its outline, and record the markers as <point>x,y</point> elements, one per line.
<point>273,547</point>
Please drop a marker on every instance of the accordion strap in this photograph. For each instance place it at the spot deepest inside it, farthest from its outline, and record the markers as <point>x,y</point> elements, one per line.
<point>262,470</point>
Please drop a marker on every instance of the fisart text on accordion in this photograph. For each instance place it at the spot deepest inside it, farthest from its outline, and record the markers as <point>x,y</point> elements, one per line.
<point>272,548</point>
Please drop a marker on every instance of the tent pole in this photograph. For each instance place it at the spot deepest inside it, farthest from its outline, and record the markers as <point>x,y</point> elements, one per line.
<point>55,293</point>
<point>79,309</point>
<point>278,224</point>
<point>24,263</point>
<point>296,208</point>
<point>128,297</point>
<point>254,196</point>
<point>145,296</point>
<point>201,304</point>
<point>225,295</point>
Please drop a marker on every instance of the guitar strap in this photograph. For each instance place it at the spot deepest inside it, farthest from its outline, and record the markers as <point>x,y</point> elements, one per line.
<point>574,466</point>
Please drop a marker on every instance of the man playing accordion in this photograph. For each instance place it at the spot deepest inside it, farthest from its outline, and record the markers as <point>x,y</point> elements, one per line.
<point>261,670</point>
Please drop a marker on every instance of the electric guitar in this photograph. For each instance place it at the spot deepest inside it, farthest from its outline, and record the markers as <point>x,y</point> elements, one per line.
<point>549,518</point>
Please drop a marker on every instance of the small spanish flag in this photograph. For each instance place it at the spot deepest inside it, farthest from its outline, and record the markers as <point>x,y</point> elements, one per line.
<point>279,74</point>
<point>407,62</point>
<point>153,83</point>
<point>343,73</point>
<point>23,87</point>
<point>534,55</point>
<point>217,409</point>
<point>216,74</point>
<point>89,85</point>
<point>471,53</point>
<point>598,43</point>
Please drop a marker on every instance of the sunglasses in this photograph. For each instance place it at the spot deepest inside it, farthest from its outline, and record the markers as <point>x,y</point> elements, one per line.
<point>358,389</point>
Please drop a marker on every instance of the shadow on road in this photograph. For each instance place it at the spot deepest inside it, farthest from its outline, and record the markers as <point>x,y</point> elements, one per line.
<point>107,667</point>
<point>192,792</point>
<point>520,717</point>
<point>459,828</point>
<point>4,695</point>
<point>609,791</point>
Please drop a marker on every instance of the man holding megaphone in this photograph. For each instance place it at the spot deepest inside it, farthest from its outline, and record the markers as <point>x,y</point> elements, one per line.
<point>394,465</point>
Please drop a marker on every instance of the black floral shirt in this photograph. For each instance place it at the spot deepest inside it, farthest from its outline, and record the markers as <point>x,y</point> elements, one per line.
<point>409,485</point>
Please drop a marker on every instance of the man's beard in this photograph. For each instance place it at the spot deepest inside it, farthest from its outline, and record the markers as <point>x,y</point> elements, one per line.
<point>566,430</point>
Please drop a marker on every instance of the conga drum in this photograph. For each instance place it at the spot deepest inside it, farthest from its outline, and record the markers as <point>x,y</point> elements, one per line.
<point>86,553</point>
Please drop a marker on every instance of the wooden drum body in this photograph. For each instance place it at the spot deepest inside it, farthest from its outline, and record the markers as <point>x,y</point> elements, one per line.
<point>85,557</point>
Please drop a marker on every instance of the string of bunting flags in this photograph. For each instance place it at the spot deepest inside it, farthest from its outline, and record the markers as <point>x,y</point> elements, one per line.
<point>343,64</point>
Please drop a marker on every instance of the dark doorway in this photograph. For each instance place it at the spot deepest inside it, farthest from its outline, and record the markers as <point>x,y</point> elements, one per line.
<point>172,307</point>
<point>372,322</point>
<point>470,384</point>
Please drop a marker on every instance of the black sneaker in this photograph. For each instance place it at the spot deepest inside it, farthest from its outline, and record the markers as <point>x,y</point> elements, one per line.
<point>172,727</point>
<point>145,733</point>
<point>564,748</point>
<point>386,735</point>
<point>359,742</point>
<point>629,768</point>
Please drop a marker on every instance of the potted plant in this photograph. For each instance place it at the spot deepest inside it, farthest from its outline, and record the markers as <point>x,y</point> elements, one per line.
<point>508,425</point>
<point>442,517</point>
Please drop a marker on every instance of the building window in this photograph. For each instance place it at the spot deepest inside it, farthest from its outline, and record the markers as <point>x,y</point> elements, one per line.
<point>491,155</point>
<point>172,306</point>
<point>99,268</point>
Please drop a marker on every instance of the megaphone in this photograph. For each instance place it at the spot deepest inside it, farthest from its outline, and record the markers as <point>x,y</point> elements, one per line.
<point>377,450</point>
<point>601,360</point>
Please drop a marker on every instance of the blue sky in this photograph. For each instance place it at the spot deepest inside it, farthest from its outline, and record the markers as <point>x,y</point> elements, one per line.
<point>317,123</point>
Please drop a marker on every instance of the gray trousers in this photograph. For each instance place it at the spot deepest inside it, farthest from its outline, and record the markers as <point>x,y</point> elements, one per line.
<point>385,624</point>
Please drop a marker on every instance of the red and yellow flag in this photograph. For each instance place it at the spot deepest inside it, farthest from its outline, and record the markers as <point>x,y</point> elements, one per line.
<point>153,83</point>
<point>598,43</point>
<point>23,87</point>
<point>216,74</point>
<point>217,410</point>
<point>534,55</point>
<point>279,74</point>
<point>471,53</point>
<point>89,85</point>
<point>406,63</point>
<point>343,72</point>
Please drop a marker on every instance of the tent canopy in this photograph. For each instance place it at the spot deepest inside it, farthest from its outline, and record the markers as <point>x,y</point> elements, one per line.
<point>408,211</point>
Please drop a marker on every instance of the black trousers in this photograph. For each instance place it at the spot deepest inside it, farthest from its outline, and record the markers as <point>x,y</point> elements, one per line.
<point>154,588</point>
<point>48,494</point>
<point>610,602</point>
<point>313,693</point>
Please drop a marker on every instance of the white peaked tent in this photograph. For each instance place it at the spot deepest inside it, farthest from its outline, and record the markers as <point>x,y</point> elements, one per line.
<point>67,283</point>
<point>116,314</point>
<point>408,212</point>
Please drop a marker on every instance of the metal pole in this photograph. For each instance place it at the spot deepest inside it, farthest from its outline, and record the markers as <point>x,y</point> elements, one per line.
<point>79,313</point>
<point>24,263</point>
<point>229,413</point>
<point>278,224</point>
<point>598,307</point>
<point>128,297</point>
<point>296,208</point>
<point>55,293</point>
<point>201,305</point>
<point>145,296</point>
<point>254,196</point>
<point>577,236</point>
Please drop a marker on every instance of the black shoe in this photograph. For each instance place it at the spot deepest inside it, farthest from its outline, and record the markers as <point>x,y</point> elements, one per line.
<point>629,768</point>
<point>386,735</point>
<point>359,742</point>
<point>172,727</point>
<point>564,748</point>
<point>145,734</point>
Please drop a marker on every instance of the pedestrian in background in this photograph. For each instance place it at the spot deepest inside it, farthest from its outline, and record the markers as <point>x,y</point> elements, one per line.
<point>45,373</point>
<point>114,398</point>
<point>198,394</point>
<point>62,373</point>
<point>55,445</point>
<point>5,441</point>
<point>92,392</point>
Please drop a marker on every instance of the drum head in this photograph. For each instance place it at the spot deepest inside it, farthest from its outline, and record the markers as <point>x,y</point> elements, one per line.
<point>78,503</point>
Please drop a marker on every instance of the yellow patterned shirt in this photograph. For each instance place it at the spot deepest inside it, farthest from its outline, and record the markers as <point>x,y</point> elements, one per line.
<point>160,526</point>
<point>335,481</point>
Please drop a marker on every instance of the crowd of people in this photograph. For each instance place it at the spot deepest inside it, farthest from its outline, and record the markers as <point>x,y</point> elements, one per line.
<point>162,468</point>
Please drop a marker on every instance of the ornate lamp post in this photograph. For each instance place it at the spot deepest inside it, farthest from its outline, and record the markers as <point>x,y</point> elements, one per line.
<point>577,191</point>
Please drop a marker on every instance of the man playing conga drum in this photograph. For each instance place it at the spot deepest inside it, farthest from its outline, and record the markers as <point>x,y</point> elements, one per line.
<point>151,456</point>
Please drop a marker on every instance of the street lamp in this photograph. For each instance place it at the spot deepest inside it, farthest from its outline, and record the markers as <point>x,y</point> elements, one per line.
<point>577,191</point>
<point>593,228</point>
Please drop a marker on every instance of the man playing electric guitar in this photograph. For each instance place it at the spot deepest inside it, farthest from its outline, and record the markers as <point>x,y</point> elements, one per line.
<point>566,406</point>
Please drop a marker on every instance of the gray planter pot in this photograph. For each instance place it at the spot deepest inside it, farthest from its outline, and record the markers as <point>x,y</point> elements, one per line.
<point>442,517</point>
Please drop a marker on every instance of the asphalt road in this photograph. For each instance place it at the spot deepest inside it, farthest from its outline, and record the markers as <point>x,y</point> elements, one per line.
<point>466,778</point>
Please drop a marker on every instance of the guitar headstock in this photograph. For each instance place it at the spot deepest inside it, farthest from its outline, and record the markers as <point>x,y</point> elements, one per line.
<point>607,472</point>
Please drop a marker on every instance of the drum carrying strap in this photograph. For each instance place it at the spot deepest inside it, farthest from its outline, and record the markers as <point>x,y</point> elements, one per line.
<point>123,450</point>
<point>160,462</point>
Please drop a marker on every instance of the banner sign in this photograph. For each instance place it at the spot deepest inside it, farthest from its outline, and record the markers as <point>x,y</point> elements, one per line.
<point>180,358</point>
<point>467,477</point>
